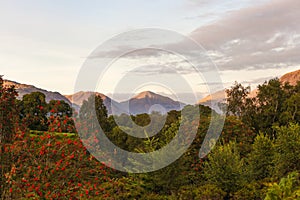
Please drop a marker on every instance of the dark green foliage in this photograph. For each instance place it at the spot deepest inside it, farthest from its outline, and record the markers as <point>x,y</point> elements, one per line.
<point>172,117</point>
<point>39,115</point>
<point>287,150</point>
<point>93,112</point>
<point>141,119</point>
<point>253,190</point>
<point>35,110</point>
<point>261,157</point>
<point>59,108</point>
<point>291,109</point>
<point>236,99</point>
<point>225,168</point>
<point>237,131</point>
<point>288,188</point>
<point>207,191</point>
<point>275,104</point>
<point>93,117</point>
<point>270,98</point>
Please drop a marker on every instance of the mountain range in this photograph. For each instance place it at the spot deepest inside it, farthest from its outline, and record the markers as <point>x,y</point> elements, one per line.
<point>144,102</point>
<point>23,89</point>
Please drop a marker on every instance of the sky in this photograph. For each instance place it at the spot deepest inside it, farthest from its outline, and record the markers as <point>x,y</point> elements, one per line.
<point>46,43</point>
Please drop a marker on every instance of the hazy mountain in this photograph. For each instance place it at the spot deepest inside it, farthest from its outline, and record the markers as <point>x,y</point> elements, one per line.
<point>146,102</point>
<point>217,96</point>
<point>141,103</point>
<point>184,97</point>
<point>81,96</point>
<point>23,89</point>
<point>213,100</point>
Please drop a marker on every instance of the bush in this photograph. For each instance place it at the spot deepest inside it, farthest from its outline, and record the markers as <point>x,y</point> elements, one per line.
<point>254,190</point>
<point>47,167</point>
<point>288,188</point>
<point>208,192</point>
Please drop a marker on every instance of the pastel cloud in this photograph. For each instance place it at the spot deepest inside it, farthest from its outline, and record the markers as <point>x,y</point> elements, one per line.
<point>262,36</point>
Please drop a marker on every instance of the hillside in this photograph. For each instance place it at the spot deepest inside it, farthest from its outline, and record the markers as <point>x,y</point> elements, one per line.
<point>218,97</point>
<point>24,89</point>
<point>292,77</point>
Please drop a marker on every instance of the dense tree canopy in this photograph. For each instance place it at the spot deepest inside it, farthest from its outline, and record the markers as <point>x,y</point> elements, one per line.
<point>275,104</point>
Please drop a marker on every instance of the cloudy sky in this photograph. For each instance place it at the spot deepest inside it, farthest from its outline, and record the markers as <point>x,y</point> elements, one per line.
<point>45,43</point>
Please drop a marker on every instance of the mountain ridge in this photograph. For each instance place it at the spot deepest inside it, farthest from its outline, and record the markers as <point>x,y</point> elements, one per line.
<point>140,103</point>
<point>79,97</point>
<point>144,102</point>
<point>24,89</point>
<point>147,101</point>
<point>220,96</point>
<point>291,77</point>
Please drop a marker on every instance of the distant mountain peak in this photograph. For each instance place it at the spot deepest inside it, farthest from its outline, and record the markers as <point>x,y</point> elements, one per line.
<point>143,102</point>
<point>146,94</point>
<point>80,96</point>
<point>291,77</point>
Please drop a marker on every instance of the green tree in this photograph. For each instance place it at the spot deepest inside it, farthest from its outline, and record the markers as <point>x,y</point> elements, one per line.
<point>224,168</point>
<point>260,159</point>
<point>141,119</point>
<point>270,102</point>
<point>291,109</point>
<point>172,117</point>
<point>287,149</point>
<point>275,104</point>
<point>93,123</point>
<point>94,106</point>
<point>59,108</point>
<point>35,111</point>
<point>236,99</point>
<point>166,180</point>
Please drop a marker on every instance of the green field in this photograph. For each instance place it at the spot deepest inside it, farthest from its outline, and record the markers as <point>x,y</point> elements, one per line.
<point>57,134</point>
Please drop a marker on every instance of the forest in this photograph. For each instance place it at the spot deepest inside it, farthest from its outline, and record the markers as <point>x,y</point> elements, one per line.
<point>257,155</point>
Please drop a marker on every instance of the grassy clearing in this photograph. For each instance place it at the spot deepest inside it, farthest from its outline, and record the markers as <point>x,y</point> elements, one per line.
<point>56,134</point>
